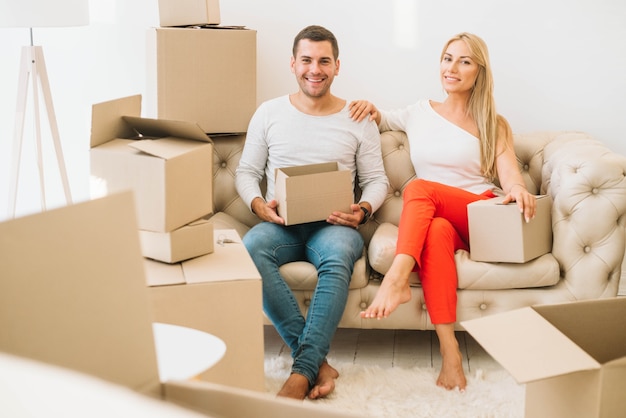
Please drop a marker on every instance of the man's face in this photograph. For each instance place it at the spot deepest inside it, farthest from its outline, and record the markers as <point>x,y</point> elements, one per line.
<point>314,67</point>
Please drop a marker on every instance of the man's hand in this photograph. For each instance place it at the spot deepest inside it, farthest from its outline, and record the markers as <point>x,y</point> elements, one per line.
<point>266,211</point>
<point>352,220</point>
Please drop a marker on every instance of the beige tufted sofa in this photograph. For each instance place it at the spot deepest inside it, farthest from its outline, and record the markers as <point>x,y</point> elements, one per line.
<point>588,186</point>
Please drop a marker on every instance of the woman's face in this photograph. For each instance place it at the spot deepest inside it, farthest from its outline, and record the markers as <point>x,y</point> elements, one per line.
<point>458,69</point>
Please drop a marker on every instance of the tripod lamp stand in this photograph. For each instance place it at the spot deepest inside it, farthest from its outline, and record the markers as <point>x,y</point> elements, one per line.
<point>31,14</point>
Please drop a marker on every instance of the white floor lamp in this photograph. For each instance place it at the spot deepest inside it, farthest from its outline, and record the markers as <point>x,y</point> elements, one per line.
<point>31,14</point>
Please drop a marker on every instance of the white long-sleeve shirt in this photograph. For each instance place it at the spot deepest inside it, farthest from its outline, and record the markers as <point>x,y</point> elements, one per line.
<point>440,150</point>
<point>279,136</point>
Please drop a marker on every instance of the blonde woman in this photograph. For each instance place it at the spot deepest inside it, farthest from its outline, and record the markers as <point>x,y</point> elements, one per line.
<point>458,148</point>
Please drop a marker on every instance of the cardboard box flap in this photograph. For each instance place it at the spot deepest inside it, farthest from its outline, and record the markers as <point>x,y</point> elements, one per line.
<point>226,402</point>
<point>528,346</point>
<point>107,122</point>
<point>165,148</point>
<point>163,274</point>
<point>592,325</point>
<point>83,304</point>
<point>310,169</point>
<point>161,128</point>
<point>225,262</point>
<point>330,178</point>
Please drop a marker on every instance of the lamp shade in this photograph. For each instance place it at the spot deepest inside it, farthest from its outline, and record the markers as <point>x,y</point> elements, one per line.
<point>43,13</point>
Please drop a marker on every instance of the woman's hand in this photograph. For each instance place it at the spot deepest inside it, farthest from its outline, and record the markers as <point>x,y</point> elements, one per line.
<point>360,109</point>
<point>526,202</point>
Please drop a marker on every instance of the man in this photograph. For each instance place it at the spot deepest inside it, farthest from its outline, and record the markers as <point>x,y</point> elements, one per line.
<point>307,127</point>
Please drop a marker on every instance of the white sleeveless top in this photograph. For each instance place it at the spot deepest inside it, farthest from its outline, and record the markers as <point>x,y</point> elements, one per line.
<point>440,150</point>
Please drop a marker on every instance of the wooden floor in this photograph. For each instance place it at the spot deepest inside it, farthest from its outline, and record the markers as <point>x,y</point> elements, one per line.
<point>391,348</point>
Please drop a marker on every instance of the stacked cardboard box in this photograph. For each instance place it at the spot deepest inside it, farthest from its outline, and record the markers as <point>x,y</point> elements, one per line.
<point>218,293</point>
<point>199,71</point>
<point>169,167</point>
<point>203,74</point>
<point>189,12</point>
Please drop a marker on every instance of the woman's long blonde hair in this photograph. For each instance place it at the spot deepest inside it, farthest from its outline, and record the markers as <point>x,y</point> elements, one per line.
<point>481,104</point>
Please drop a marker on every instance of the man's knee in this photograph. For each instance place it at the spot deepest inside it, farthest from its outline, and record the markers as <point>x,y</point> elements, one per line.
<point>259,235</point>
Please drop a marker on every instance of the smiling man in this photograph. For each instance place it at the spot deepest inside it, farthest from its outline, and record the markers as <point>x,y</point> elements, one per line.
<point>307,127</point>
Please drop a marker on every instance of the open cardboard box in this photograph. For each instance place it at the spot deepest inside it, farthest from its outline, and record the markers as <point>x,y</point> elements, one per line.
<point>571,356</point>
<point>73,295</point>
<point>168,164</point>
<point>499,233</point>
<point>311,192</point>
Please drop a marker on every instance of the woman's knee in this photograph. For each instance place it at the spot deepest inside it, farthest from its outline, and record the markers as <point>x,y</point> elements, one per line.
<point>419,188</point>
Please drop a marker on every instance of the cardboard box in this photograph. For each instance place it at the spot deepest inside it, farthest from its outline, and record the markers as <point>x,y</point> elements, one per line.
<point>207,76</point>
<point>499,233</point>
<point>571,356</point>
<point>311,192</point>
<point>73,294</point>
<point>219,293</point>
<point>189,12</point>
<point>169,168</point>
<point>189,241</point>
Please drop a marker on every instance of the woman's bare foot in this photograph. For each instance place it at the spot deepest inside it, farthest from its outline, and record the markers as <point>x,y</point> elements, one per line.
<point>325,383</point>
<point>452,374</point>
<point>296,387</point>
<point>394,289</point>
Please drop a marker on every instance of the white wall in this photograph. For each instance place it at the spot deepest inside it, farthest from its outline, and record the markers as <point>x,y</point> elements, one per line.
<point>558,64</point>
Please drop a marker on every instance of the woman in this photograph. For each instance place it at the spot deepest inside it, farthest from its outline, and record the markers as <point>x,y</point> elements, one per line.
<point>458,148</point>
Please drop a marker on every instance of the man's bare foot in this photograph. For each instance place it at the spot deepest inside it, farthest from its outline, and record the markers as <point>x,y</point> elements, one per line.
<point>394,289</point>
<point>296,387</point>
<point>325,383</point>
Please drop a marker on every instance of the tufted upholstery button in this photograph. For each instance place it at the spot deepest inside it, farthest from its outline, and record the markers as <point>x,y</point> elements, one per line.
<point>587,249</point>
<point>526,167</point>
<point>483,306</point>
<point>223,165</point>
<point>424,307</point>
<point>397,193</point>
<point>307,302</point>
<point>363,305</point>
<point>594,190</point>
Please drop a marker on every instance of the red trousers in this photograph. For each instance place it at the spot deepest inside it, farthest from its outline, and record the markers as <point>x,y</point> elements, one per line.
<point>433,225</point>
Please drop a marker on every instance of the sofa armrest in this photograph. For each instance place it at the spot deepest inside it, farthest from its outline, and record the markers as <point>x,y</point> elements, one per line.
<point>588,186</point>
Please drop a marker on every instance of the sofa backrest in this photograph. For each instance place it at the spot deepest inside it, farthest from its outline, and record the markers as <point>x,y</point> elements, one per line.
<point>397,161</point>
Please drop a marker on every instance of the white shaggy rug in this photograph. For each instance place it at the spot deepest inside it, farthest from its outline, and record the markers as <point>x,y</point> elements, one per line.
<point>378,392</point>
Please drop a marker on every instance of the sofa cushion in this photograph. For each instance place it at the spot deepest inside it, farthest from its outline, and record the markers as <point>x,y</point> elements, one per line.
<point>475,275</point>
<point>302,275</point>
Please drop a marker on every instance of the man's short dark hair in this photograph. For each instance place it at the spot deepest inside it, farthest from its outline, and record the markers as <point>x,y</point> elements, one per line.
<point>316,34</point>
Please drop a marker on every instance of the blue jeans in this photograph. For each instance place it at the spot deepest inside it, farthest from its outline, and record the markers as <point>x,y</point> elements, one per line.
<point>333,250</point>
